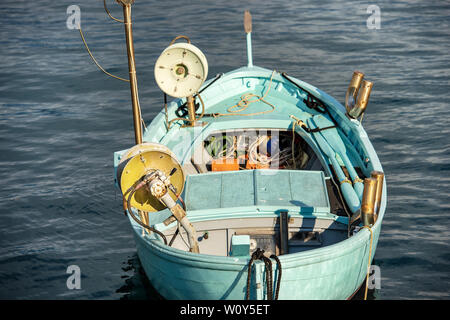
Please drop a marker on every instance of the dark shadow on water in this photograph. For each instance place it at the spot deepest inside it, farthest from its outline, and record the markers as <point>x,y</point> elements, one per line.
<point>372,294</point>
<point>137,287</point>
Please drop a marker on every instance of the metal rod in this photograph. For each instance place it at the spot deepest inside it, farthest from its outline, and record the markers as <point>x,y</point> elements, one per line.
<point>191,111</point>
<point>249,50</point>
<point>284,229</point>
<point>132,70</point>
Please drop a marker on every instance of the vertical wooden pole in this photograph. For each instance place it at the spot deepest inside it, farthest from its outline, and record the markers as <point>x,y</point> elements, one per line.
<point>132,71</point>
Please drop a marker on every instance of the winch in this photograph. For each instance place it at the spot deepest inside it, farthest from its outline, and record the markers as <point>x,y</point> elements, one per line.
<point>152,179</point>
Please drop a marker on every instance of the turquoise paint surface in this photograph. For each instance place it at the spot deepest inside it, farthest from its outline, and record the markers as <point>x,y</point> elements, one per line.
<point>261,188</point>
<point>332,272</point>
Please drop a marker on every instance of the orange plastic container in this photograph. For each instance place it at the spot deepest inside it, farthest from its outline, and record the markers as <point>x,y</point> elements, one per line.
<point>223,164</point>
<point>251,165</point>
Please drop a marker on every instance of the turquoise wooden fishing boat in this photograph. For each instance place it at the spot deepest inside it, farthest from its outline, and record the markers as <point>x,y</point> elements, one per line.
<point>252,184</point>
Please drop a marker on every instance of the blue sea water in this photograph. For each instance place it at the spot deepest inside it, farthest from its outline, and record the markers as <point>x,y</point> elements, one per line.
<point>61,120</point>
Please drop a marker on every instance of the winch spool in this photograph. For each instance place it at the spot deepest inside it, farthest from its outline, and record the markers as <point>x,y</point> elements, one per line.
<point>142,160</point>
<point>151,180</point>
<point>181,69</point>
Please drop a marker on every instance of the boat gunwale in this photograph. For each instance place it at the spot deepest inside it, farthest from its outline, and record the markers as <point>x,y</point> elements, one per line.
<point>290,260</point>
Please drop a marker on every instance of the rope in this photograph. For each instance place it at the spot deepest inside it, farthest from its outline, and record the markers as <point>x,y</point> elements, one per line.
<point>258,254</point>
<point>221,147</point>
<point>180,37</point>
<point>305,127</point>
<point>182,109</point>
<point>254,155</point>
<point>277,290</point>
<point>169,123</point>
<point>255,256</point>
<point>95,61</point>
<point>133,190</point>
<point>106,72</point>
<point>301,124</point>
<point>246,101</point>
<point>369,262</point>
<point>109,14</point>
<point>243,104</point>
<point>269,281</point>
<point>311,101</point>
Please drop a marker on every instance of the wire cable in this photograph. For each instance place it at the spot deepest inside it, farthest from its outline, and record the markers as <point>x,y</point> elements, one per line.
<point>130,211</point>
<point>109,14</point>
<point>95,61</point>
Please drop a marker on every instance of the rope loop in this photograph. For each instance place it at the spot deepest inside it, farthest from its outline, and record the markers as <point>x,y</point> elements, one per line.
<point>180,37</point>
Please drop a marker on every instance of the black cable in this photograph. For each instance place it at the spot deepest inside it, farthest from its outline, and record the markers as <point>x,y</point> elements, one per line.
<point>258,254</point>
<point>140,222</point>
<point>174,236</point>
<point>269,281</point>
<point>309,101</point>
<point>277,290</point>
<point>182,109</point>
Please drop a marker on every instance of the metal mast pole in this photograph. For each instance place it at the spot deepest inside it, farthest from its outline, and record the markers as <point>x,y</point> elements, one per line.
<point>132,69</point>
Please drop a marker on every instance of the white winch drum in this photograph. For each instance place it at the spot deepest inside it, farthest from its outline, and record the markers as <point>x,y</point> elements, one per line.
<point>181,69</point>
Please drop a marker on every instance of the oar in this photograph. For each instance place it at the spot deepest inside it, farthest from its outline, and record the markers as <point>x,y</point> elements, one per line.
<point>248,31</point>
<point>347,190</point>
<point>332,137</point>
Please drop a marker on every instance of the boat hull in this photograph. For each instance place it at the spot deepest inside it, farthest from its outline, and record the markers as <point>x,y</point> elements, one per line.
<point>330,272</point>
<point>333,272</point>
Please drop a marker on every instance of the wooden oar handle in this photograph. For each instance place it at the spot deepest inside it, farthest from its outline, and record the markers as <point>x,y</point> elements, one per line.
<point>247,21</point>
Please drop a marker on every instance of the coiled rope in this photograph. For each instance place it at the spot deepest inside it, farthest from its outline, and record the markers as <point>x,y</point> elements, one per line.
<point>245,102</point>
<point>258,254</point>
